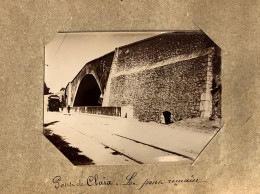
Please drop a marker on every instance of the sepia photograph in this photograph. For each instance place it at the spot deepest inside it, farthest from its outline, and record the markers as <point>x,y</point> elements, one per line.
<point>123,98</point>
<point>129,96</point>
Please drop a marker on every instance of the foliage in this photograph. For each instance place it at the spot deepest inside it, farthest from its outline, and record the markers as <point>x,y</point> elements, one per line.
<point>46,89</point>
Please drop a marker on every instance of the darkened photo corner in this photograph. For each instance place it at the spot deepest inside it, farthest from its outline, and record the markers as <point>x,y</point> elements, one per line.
<point>121,98</point>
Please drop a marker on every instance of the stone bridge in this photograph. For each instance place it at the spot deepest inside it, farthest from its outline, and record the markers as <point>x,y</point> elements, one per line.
<point>87,88</point>
<point>175,74</point>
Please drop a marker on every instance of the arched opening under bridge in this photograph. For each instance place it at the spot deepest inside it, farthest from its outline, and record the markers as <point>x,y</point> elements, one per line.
<point>88,93</point>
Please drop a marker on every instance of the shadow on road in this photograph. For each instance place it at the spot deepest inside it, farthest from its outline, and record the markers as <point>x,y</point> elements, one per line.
<point>70,152</point>
<point>51,123</point>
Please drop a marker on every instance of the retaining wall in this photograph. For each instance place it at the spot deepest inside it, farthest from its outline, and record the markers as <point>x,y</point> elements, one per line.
<point>110,111</point>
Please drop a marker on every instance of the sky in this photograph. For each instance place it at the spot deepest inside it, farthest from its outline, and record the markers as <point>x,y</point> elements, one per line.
<point>67,53</point>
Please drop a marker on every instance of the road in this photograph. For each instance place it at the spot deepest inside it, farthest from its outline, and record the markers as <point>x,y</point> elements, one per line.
<point>118,141</point>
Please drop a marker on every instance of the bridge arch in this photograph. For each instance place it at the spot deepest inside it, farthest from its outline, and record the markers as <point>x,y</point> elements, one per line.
<point>88,92</point>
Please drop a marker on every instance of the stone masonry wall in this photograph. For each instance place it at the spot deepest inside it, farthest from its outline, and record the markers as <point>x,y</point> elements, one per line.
<point>161,47</point>
<point>176,88</point>
<point>99,68</point>
<point>216,90</point>
<point>167,72</point>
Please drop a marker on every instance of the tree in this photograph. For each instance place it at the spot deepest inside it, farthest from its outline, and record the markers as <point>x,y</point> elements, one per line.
<point>46,89</point>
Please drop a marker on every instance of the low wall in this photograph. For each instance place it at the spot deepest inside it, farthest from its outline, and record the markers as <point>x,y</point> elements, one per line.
<point>110,111</point>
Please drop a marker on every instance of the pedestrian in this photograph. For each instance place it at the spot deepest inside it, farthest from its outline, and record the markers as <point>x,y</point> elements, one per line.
<point>69,109</point>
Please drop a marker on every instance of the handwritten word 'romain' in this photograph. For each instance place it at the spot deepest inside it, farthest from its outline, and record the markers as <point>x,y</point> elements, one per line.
<point>189,180</point>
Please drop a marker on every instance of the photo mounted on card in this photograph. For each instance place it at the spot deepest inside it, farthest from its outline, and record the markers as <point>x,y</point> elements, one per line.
<point>123,98</point>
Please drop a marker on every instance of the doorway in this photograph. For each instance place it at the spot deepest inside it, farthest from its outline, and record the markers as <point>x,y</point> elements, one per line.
<point>167,117</point>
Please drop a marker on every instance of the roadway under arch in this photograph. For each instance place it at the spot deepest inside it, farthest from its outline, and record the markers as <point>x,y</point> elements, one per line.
<point>88,92</point>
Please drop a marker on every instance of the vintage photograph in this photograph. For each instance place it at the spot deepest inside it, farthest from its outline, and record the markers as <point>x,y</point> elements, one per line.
<point>122,98</point>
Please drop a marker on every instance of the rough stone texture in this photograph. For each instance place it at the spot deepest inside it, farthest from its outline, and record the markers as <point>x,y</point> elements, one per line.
<point>144,77</point>
<point>176,88</point>
<point>169,72</point>
<point>99,68</point>
<point>161,47</point>
<point>216,85</point>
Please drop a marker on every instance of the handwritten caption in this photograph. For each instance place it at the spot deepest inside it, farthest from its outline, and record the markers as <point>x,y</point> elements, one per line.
<point>96,180</point>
